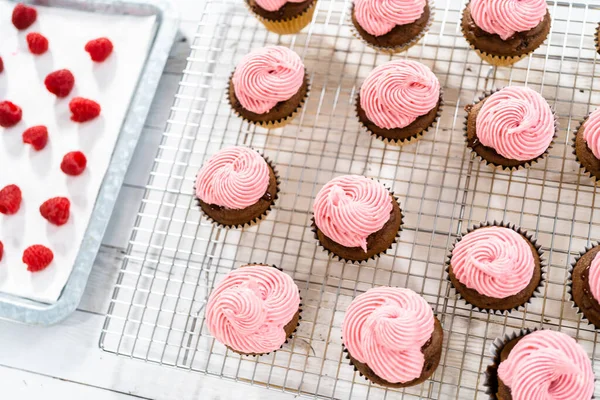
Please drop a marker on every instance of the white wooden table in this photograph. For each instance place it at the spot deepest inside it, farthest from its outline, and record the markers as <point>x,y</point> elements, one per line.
<point>64,361</point>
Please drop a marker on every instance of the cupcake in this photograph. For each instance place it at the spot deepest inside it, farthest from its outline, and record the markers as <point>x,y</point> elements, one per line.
<point>356,218</point>
<point>391,26</point>
<point>495,267</point>
<point>283,16</point>
<point>392,337</point>
<point>539,365</point>
<point>584,284</point>
<point>254,309</point>
<point>510,128</point>
<point>587,144</point>
<point>503,32</point>
<point>268,86</point>
<point>236,187</point>
<point>597,38</point>
<point>399,101</point>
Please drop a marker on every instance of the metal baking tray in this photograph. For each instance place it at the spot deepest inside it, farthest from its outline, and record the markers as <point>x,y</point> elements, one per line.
<point>33,312</point>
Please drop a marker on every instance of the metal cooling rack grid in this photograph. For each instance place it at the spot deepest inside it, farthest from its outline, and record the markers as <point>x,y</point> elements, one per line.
<point>175,257</point>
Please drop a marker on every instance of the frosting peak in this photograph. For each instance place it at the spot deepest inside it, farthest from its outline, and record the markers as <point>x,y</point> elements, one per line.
<point>591,132</point>
<point>274,5</point>
<point>379,17</point>
<point>234,178</point>
<point>396,93</point>
<point>507,17</point>
<point>495,261</point>
<point>385,328</point>
<point>351,207</point>
<point>517,123</point>
<point>266,76</point>
<point>594,277</point>
<point>547,365</point>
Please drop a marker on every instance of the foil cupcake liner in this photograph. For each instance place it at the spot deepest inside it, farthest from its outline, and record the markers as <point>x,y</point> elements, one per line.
<point>342,259</point>
<point>538,290</point>
<point>411,139</point>
<point>255,220</point>
<point>278,123</point>
<point>287,26</point>
<point>394,49</point>
<point>524,164</point>
<point>582,167</point>
<point>569,284</point>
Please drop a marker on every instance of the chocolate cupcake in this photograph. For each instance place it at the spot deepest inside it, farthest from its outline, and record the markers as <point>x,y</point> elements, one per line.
<point>538,365</point>
<point>597,38</point>
<point>511,128</point>
<point>584,284</point>
<point>254,310</point>
<point>504,32</point>
<point>283,16</point>
<point>495,267</point>
<point>268,86</point>
<point>393,26</point>
<point>587,145</point>
<point>356,218</point>
<point>236,187</point>
<point>399,101</point>
<point>392,337</point>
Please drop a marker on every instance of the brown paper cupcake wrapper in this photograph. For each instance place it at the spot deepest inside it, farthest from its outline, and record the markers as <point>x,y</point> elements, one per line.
<point>287,26</point>
<point>582,167</point>
<point>255,220</point>
<point>538,290</point>
<point>342,259</point>
<point>278,123</point>
<point>411,139</point>
<point>394,49</point>
<point>597,38</point>
<point>524,164</point>
<point>570,284</point>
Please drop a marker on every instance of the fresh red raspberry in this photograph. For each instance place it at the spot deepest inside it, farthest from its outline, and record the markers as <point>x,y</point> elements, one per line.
<point>99,49</point>
<point>60,83</point>
<point>56,210</point>
<point>37,136</point>
<point>1,65</point>
<point>84,110</point>
<point>10,114</point>
<point>38,44</point>
<point>10,199</point>
<point>1,250</point>
<point>23,16</point>
<point>73,163</point>
<point>37,257</point>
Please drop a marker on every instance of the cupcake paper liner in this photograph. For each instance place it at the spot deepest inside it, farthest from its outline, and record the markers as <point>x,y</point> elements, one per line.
<point>287,26</point>
<point>395,49</point>
<point>597,38</point>
<point>342,259</point>
<point>538,290</point>
<point>582,167</point>
<point>278,123</point>
<point>411,139</point>
<point>255,220</point>
<point>569,285</point>
<point>524,164</point>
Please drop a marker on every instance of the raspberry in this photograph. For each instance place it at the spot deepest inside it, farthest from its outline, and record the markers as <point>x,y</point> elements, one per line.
<point>1,250</point>
<point>10,199</point>
<point>1,65</point>
<point>60,83</point>
<point>56,210</point>
<point>37,43</point>
<point>83,110</point>
<point>37,136</point>
<point>99,49</point>
<point>73,163</point>
<point>23,16</point>
<point>37,257</point>
<point>10,114</point>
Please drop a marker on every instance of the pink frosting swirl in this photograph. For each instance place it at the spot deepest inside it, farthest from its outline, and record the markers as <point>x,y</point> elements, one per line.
<point>594,277</point>
<point>385,328</point>
<point>495,261</point>
<point>249,309</point>
<point>234,178</point>
<point>516,122</point>
<point>591,132</point>
<point>274,5</point>
<point>548,365</point>
<point>351,207</point>
<point>267,76</point>
<point>397,92</point>
<point>378,17</point>
<point>507,17</point>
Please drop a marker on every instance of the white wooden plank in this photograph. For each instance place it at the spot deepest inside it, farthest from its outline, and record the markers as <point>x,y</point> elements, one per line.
<point>101,282</point>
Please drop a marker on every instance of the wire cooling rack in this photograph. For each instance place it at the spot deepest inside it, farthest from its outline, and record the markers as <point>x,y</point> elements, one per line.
<point>175,256</point>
